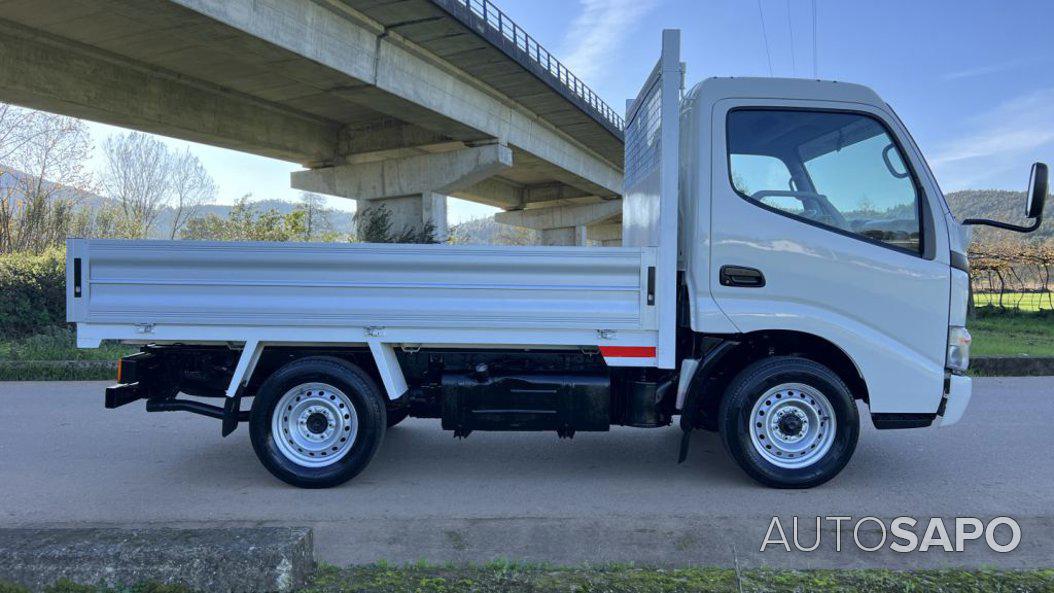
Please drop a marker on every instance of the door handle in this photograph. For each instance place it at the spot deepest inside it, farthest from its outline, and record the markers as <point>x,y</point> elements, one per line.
<point>742,276</point>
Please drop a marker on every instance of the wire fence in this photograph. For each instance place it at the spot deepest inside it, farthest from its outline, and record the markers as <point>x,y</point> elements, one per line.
<point>500,22</point>
<point>1012,277</point>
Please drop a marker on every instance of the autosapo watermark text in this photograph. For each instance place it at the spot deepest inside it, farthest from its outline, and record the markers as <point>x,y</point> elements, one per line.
<point>900,534</point>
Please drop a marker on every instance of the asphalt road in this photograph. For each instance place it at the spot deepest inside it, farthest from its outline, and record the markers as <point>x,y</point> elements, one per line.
<point>601,497</point>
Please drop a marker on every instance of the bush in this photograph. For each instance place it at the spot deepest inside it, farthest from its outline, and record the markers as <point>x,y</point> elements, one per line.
<point>32,292</point>
<point>6,587</point>
<point>68,586</point>
<point>58,343</point>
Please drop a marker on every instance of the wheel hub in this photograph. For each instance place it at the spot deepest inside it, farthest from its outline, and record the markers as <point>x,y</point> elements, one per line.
<point>314,424</point>
<point>792,425</point>
<point>317,423</point>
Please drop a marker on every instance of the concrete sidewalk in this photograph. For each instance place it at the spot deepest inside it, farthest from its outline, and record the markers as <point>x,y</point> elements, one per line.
<point>601,497</point>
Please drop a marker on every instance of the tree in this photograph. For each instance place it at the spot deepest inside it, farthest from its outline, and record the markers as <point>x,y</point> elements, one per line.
<point>316,217</point>
<point>245,222</point>
<point>105,220</point>
<point>42,178</point>
<point>16,128</point>
<point>138,175</point>
<point>144,177</point>
<point>192,187</point>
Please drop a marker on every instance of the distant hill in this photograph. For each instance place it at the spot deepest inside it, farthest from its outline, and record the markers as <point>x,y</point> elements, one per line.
<point>1002,205</point>
<point>342,221</point>
<point>10,179</point>
<point>487,231</point>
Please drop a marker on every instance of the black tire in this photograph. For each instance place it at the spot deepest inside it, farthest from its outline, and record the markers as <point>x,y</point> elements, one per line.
<point>364,396</point>
<point>397,415</point>
<point>736,423</point>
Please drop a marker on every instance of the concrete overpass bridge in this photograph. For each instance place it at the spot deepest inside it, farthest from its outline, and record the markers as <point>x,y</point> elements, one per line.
<point>395,102</point>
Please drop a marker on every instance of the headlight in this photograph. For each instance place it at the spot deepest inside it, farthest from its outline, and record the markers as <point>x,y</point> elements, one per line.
<point>958,349</point>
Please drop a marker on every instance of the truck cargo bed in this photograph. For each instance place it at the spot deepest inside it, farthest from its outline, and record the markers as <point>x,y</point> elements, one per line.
<point>137,283</point>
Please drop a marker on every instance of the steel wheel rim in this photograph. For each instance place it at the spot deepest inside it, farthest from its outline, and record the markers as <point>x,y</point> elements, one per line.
<point>792,425</point>
<point>314,424</point>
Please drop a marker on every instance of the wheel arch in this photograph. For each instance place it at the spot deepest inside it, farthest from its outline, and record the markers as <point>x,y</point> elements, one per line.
<point>707,387</point>
<point>376,360</point>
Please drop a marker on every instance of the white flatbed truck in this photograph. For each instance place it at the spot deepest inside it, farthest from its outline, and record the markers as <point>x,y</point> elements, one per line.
<point>787,253</point>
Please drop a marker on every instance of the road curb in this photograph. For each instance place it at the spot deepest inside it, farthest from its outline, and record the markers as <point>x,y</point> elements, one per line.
<point>1013,366</point>
<point>228,560</point>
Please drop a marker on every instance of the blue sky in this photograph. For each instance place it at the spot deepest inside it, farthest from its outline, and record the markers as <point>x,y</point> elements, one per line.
<point>972,79</point>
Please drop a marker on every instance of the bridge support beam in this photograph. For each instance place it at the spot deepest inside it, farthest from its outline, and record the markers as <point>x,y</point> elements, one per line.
<point>412,188</point>
<point>564,225</point>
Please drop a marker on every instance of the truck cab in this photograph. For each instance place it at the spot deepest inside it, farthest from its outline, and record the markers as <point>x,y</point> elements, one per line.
<point>809,214</point>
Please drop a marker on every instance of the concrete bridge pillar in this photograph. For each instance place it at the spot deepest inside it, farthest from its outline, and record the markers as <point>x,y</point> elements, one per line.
<point>574,235</point>
<point>413,188</point>
<point>413,213</point>
<point>568,225</point>
<point>608,234</point>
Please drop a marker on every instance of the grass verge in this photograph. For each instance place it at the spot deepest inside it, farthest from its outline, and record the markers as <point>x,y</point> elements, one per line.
<point>53,356</point>
<point>500,577</point>
<point>58,343</point>
<point>514,578</point>
<point>55,370</point>
<point>1025,301</point>
<point>998,332</point>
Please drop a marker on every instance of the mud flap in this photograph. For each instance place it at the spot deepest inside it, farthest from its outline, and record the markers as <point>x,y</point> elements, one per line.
<point>232,412</point>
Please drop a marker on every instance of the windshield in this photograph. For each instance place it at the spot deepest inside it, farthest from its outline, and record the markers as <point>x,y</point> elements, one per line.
<point>838,169</point>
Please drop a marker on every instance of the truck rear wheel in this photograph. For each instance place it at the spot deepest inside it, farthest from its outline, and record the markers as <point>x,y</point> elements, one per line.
<point>317,422</point>
<point>789,422</point>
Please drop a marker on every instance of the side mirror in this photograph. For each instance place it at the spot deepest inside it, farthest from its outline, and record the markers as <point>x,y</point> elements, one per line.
<point>1037,191</point>
<point>1034,201</point>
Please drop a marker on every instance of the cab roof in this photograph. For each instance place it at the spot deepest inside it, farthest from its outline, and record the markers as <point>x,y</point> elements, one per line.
<point>717,88</point>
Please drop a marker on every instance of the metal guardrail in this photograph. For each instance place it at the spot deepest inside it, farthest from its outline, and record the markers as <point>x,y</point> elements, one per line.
<point>501,23</point>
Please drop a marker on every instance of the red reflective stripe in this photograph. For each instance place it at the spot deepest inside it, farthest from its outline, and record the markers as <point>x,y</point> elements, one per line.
<point>628,351</point>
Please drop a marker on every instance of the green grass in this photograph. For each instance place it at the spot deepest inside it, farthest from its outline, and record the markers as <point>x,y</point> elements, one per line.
<point>1011,333</point>
<point>1025,301</point>
<point>53,356</point>
<point>58,344</point>
<point>65,586</point>
<point>47,370</point>
<point>517,578</point>
<point>503,577</point>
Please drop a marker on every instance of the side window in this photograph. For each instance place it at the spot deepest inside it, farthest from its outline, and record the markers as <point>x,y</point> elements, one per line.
<point>840,170</point>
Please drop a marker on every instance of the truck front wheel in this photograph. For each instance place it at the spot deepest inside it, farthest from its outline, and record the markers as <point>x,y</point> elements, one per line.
<point>789,422</point>
<point>317,422</point>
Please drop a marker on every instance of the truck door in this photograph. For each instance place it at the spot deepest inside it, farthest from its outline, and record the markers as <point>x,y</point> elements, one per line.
<point>821,225</point>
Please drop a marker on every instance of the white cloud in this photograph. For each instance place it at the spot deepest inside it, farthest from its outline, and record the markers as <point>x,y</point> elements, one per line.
<point>987,69</point>
<point>595,35</point>
<point>1013,134</point>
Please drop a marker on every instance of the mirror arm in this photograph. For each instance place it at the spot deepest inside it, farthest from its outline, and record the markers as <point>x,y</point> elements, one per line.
<point>1005,225</point>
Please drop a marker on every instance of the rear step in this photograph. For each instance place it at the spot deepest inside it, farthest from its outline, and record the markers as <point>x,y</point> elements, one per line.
<point>124,393</point>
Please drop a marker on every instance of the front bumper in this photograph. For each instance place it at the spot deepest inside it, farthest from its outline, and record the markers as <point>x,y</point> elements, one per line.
<point>960,388</point>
